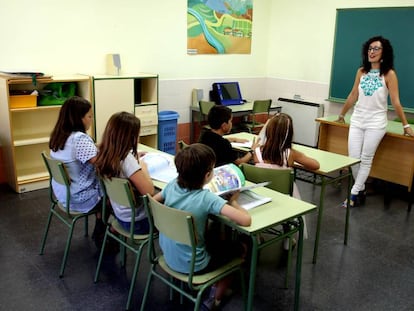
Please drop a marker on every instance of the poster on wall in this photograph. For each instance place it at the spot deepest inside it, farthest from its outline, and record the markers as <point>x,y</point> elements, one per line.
<point>219,26</point>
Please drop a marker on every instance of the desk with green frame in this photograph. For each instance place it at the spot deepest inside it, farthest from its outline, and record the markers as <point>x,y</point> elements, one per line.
<point>281,209</point>
<point>333,168</point>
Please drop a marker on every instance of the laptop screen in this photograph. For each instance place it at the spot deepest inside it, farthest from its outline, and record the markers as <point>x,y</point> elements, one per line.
<point>228,93</point>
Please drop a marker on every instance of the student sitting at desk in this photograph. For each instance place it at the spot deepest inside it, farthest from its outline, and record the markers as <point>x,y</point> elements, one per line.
<point>70,144</point>
<point>220,120</point>
<point>195,165</point>
<point>277,151</point>
<point>117,157</point>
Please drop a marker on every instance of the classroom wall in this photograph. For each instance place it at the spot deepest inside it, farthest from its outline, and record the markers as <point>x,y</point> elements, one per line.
<point>291,47</point>
<point>300,46</point>
<point>151,36</point>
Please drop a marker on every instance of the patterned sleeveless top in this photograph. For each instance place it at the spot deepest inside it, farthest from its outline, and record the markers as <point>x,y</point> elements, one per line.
<point>370,111</point>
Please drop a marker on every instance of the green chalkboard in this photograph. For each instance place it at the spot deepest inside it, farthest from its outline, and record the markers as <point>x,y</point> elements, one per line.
<point>353,28</point>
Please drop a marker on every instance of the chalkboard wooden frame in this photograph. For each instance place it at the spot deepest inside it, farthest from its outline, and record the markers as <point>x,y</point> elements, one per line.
<point>353,28</point>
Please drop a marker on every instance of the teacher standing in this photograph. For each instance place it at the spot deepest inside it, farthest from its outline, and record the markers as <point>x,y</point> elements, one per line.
<point>374,81</point>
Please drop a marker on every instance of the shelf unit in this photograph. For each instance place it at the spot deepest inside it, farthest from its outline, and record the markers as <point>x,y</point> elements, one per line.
<point>24,132</point>
<point>137,94</point>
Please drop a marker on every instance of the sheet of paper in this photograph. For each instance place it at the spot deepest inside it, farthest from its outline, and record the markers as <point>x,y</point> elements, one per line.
<point>247,144</point>
<point>244,188</point>
<point>249,199</point>
<point>160,167</point>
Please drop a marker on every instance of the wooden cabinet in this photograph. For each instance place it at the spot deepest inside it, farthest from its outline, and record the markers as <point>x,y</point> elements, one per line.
<point>25,131</point>
<point>137,94</point>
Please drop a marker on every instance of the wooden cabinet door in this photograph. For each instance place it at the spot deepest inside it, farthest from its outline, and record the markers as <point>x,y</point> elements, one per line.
<point>111,96</point>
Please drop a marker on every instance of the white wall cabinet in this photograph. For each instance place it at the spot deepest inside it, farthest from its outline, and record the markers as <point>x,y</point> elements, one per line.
<point>137,94</point>
<point>25,132</point>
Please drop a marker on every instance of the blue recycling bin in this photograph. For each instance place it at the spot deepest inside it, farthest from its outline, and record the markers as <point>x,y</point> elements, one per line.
<point>167,131</point>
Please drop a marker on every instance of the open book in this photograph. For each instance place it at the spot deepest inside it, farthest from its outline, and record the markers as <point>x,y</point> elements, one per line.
<point>160,166</point>
<point>229,178</point>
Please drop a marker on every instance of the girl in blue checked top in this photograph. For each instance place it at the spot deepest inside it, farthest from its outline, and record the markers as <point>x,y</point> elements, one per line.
<point>374,81</point>
<point>70,144</point>
<point>195,165</point>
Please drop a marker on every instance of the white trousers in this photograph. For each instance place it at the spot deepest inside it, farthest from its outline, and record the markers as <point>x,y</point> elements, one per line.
<point>362,144</point>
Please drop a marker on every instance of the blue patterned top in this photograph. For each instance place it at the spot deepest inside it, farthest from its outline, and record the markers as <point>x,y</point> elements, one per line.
<point>85,191</point>
<point>371,82</point>
<point>370,111</point>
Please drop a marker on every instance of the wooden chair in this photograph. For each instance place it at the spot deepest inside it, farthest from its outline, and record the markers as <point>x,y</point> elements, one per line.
<point>281,180</point>
<point>58,173</point>
<point>260,107</point>
<point>119,190</point>
<point>179,226</point>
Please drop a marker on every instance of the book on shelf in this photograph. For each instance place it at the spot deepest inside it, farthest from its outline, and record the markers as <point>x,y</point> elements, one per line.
<point>160,167</point>
<point>25,75</point>
<point>229,178</point>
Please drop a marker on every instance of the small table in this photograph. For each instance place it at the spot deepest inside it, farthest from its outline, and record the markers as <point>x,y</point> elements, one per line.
<point>238,111</point>
<point>333,168</point>
<point>281,209</point>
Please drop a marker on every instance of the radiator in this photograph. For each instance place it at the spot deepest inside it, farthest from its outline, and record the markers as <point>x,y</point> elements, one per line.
<point>306,129</point>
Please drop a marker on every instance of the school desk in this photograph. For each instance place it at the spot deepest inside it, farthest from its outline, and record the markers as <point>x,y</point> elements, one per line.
<point>281,209</point>
<point>333,168</point>
<point>237,110</point>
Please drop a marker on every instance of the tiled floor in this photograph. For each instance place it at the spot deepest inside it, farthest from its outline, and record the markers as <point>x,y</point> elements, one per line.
<point>374,272</point>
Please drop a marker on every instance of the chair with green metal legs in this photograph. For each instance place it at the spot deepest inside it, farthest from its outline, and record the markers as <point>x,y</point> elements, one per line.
<point>59,174</point>
<point>179,226</point>
<point>119,190</point>
<point>260,107</point>
<point>205,107</point>
<point>281,180</point>
<point>182,144</point>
